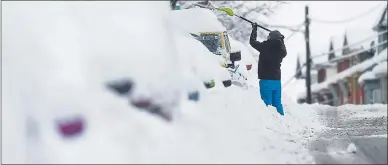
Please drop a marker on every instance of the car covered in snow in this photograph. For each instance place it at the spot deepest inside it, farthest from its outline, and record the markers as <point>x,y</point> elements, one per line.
<point>204,26</point>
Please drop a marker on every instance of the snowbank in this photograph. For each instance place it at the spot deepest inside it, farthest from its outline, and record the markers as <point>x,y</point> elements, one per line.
<point>380,69</point>
<point>201,61</point>
<point>241,129</point>
<point>57,69</point>
<point>197,20</point>
<point>71,49</point>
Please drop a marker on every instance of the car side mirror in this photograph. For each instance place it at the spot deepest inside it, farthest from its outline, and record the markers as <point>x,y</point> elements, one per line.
<point>235,56</point>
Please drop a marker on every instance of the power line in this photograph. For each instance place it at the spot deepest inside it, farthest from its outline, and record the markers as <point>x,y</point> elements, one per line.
<point>349,19</point>
<point>294,32</point>
<point>291,28</point>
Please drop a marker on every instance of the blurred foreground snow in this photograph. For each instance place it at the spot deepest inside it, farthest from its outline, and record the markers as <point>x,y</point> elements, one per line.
<point>57,58</point>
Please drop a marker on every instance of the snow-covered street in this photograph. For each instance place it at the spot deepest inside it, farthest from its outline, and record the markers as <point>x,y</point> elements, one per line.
<point>355,135</point>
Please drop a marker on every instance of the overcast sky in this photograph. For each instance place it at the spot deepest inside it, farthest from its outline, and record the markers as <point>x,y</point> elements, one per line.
<point>320,33</point>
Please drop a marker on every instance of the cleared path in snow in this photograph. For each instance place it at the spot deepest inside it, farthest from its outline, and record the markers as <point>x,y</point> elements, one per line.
<point>368,134</point>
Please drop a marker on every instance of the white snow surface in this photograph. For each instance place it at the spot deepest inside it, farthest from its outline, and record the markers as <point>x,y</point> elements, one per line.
<point>380,69</point>
<point>197,20</point>
<point>363,111</point>
<point>57,57</point>
<point>351,148</point>
<point>196,58</point>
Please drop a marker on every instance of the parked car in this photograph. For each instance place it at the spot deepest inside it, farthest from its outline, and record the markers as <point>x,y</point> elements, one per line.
<point>203,25</point>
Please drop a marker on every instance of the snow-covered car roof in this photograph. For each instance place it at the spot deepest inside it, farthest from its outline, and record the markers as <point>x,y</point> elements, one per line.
<point>196,20</point>
<point>193,53</point>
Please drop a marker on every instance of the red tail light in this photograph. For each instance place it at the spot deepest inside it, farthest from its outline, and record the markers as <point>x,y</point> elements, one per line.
<point>71,128</point>
<point>249,67</point>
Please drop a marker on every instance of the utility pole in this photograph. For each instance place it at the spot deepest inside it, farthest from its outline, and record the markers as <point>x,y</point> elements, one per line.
<point>308,59</point>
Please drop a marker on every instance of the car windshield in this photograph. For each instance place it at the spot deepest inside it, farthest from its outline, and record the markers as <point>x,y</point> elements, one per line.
<point>211,41</point>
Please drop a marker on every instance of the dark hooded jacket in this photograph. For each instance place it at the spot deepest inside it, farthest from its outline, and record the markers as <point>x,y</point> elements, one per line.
<point>272,52</point>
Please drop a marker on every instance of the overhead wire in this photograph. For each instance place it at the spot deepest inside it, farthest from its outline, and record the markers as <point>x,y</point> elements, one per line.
<point>352,45</point>
<point>340,49</point>
<point>349,19</point>
<point>294,32</point>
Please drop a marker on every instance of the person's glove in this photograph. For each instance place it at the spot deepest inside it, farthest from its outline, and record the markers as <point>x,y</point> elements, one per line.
<point>254,25</point>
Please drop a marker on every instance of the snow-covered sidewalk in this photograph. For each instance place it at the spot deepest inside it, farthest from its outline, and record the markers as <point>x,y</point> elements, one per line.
<point>364,111</point>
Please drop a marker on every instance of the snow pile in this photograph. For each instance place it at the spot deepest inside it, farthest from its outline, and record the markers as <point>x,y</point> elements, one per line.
<point>197,55</point>
<point>374,110</point>
<point>13,143</point>
<point>71,49</point>
<point>351,148</point>
<point>241,129</point>
<point>380,69</point>
<point>368,75</point>
<point>247,58</point>
<point>199,60</point>
<point>197,20</point>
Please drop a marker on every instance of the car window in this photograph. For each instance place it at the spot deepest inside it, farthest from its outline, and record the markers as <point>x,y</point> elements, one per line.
<point>211,41</point>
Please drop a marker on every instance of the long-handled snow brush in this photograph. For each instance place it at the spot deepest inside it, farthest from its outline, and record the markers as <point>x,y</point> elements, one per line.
<point>231,13</point>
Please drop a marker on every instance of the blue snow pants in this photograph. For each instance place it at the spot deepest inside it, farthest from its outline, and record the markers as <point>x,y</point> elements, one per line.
<point>271,94</point>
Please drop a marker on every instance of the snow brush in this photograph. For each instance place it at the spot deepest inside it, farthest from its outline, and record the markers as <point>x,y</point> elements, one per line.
<point>231,13</point>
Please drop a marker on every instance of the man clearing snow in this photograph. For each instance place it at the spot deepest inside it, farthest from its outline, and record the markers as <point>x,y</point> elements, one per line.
<point>272,51</point>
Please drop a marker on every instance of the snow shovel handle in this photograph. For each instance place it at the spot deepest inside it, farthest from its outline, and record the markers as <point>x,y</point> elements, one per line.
<point>253,23</point>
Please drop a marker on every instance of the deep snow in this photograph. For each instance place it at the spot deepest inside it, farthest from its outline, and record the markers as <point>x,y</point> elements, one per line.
<point>57,57</point>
